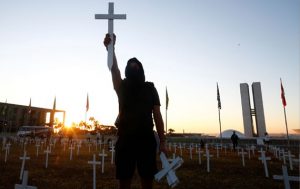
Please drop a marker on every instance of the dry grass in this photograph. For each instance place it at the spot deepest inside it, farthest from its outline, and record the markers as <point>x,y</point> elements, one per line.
<point>226,171</point>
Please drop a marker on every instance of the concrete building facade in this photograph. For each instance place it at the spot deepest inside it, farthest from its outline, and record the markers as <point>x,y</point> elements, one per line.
<point>259,109</point>
<point>246,109</point>
<point>257,112</point>
<point>12,116</point>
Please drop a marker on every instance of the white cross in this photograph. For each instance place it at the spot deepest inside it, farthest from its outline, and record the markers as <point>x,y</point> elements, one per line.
<point>112,153</point>
<point>24,182</point>
<point>180,148</point>
<point>7,146</point>
<point>169,170</point>
<point>208,160</point>
<point>264,159</point>
<point>48,151</point>
<point>71,152</point>
<point>37,149</point>
<point>290,156</point>
<point>94,163</point>
<point>199,155</point>
<point>110,17</point>
<point>103,155</point>
<point>286,178</point>
<point>243,156</point>
<point>261,152</point>
<point>174,145</point>
<point>218,147</point>
<point>24,158</point>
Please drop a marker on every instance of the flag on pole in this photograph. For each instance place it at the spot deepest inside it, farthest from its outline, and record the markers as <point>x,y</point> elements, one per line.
<point>167,99</point>
<point>282,94</point>
<point>54,104</point>
<point>218,97</point>
<point>87,103</point>
<point>29,107</point>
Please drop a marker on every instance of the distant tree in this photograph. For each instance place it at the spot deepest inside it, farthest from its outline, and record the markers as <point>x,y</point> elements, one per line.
<point>171,131</point>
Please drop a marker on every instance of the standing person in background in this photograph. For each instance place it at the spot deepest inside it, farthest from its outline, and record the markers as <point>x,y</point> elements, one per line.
<point>234,138</point>
<point>138,105</point>
<point>266,140</point>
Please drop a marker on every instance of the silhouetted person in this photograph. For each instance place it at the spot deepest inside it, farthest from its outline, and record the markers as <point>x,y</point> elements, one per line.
<point>266,139</point>
<point>138,104</point>
<point>234,138</point>
<point>202,143</point>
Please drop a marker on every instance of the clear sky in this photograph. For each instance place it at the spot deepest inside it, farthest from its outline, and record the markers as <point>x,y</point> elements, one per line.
<point>54,48</point>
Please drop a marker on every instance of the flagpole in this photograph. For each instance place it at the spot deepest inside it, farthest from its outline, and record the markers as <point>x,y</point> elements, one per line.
<point>219,110</point>
<point>87,105</point>
<point>167,104</point>
<point>286,127</point>
<point>284,104</point>
<point>220,126</point>
<point>166,121</point>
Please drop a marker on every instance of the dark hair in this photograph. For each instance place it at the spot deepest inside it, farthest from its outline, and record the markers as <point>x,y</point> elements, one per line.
<point>135,75</point>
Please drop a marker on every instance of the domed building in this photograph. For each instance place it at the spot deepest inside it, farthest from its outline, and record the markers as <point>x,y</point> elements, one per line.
<point>228,133</point>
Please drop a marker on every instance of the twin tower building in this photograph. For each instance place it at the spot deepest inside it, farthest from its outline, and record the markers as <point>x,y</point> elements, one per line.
<point>257,112</point>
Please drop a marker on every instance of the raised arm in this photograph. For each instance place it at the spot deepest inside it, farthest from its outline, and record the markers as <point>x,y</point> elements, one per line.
<point>115,72</point>
<point>160,128</point>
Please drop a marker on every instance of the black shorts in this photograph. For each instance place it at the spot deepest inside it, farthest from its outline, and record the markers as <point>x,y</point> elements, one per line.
<point>132,152</point>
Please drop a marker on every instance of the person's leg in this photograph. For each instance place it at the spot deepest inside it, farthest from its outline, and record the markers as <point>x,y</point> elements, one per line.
<point>125,183</point>
<point>146,164</point>
<point>147,183</point>
<point>125,163</point>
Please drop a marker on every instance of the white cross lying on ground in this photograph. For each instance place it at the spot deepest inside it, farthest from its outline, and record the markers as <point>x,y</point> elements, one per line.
<point>169,170</point>
<point>286,178</point>
<point>24,183</point>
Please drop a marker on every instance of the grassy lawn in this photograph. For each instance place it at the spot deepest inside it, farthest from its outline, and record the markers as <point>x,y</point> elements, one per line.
<point>227,171</point>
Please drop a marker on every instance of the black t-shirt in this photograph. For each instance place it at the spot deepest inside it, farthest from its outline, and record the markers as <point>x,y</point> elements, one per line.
<point>135,108</point>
